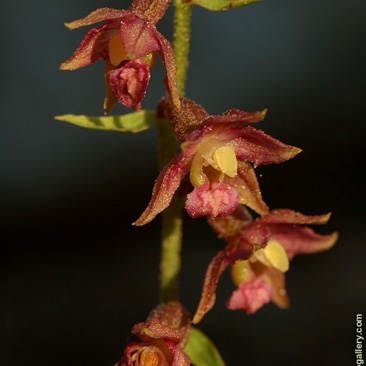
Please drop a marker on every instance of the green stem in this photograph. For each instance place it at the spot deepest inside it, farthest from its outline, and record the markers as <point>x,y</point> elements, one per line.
<point>171,234</point>
<point>171,239</point>
<point>182,17</point>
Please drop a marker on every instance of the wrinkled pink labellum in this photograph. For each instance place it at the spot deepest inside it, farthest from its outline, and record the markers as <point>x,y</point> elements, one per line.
<point>220,200</point>
<point>250,296</point>
<point>129,83</point>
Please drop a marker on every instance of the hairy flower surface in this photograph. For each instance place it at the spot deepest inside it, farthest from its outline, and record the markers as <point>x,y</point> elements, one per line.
<point>259,253</point>
<point>128,42</point>
<point>163,335</point>
<point>218,153</point>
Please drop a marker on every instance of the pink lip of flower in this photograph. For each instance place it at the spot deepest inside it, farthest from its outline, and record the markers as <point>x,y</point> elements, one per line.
<point>244,239</point>
<point>164,334</point>
<point>127,42</point>
<point>218,154</point>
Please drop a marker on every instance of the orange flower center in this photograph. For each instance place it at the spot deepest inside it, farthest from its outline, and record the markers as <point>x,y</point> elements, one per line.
<point>117,51</point>
<point>212,153</point>
<point>273,256</point>
<point>148,358</point>
<point>149,59</point>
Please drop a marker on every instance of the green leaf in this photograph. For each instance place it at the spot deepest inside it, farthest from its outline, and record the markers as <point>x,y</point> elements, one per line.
<point>221,5</point>
<point>131,122</point>
<point>201,350</point>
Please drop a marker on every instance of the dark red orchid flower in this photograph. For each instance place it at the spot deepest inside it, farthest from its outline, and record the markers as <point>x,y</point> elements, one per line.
<point>217,152</point>
<point>163,335</point>
<point>259,252</point>
<point>128,42</point>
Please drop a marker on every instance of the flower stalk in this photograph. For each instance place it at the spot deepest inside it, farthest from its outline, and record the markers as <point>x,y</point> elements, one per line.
<point>182,17</point>
<point>171,234</point>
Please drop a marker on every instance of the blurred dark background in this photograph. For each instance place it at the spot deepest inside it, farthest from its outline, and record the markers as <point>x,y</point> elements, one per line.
<point>75,275</point>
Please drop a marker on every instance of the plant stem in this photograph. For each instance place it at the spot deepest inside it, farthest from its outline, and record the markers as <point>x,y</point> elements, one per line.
<point>171,239</point>
<point>171,233</point>
<point>182,17</point>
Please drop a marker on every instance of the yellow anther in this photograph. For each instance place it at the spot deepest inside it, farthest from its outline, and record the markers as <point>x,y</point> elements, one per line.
<point>196,175</point>
<point>240,272</point>
<point>225,159</point>
<point>276,256</point>
<point>148,358</point>
<point>149,59</point>
<point>117,52</point>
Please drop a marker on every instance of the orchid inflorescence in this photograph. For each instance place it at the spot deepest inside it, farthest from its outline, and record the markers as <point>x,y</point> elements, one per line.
<point>214,170</point>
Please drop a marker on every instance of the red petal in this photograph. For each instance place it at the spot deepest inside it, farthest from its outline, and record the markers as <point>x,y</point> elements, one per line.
<point>138,37</point>
<point>100,15</point>
<point>155,329</point>
<point>175,316</point>
<point>165,186</point>
<point>258,148</point>
<point>286,216</point>
<point>246,184</point>
<point>141,38</point>
<point>129,83</point>
<point>231,225</point>
<point>179,357</point>
<point>282,226</point>
<point>93,47</point>
<point>110,98</point>
<point>208,297</point>
<point>220,200</point>
<point>235,118</point>
<point>187,120</point>
<point>130,350</point>
<point>250,296</point>
<point>232,252</point>
<point>276,279</point>
<point>167,57</point>
<point>301,240</point>
<point>152,10</point>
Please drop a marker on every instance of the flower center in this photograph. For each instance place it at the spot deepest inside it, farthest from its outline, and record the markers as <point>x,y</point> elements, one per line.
<point>215,159</point>
<point>225,159</point>
<point>240,272</point>
<point>117,51</point>
<point>273,255</point>
<point>148,358</point>
<point>149,59</point>
<point>276,255</point>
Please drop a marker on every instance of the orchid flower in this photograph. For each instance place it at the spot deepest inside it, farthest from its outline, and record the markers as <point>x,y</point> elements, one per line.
<point>164,334</point>
<point>128,42</point>
<point>259,253</point>
<point>218,153</point>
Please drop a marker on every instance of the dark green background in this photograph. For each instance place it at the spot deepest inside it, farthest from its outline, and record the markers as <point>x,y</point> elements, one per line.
<point>76,276</point>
